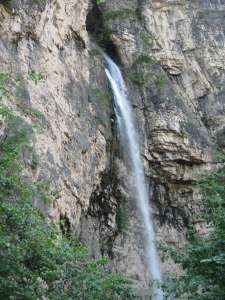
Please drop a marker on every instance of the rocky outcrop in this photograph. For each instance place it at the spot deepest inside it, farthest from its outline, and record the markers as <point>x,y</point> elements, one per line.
<point>173,51</point>
<point>172,54</point>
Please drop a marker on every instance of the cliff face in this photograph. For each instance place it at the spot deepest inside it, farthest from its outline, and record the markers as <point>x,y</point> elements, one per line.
<point>172,54</point>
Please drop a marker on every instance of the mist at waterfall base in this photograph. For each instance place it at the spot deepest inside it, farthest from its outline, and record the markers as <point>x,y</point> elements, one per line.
<point>130,141</point>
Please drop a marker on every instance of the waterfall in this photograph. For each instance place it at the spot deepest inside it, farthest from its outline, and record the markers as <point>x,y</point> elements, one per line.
<point>129,140</point>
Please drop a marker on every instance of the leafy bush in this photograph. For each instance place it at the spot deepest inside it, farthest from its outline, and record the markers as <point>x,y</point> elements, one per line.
<point>138,71</point>
<point>35,261</point>
<point>147,39</point>
<point>122,218</point>
<point>161,80</point>
<point>137,77</point>
<point>36,76</point>
<point>120,14</point>
<point>100,2</point>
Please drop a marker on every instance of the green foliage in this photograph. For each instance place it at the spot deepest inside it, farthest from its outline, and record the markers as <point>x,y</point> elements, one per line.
<point>33,113</point>
<point>144,60</point>
<point>100,2</point>
<point>122,218</point>
<point>104,96</point>
<point>147,39</point>
<point>101,35</point>
<point>137,77</point>
<point>137,72</point>
<point>203,259</point>
<point>121,14</point>
<point>8,81</point>
<point>36,261</point>
<point>109,146</point>
<point>4,77</point>
<point>11,148</point>
<point>36,116</point>
<point>161,80</point>
<point>36,76</point>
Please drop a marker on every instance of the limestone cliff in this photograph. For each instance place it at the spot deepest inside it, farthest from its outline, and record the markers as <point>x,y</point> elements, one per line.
<point>172,53</point>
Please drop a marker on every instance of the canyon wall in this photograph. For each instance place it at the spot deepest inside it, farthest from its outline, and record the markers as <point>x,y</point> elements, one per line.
<point>172,55</point>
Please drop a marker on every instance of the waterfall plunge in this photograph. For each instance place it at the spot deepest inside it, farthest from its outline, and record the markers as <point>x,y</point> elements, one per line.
<point>127,130</point>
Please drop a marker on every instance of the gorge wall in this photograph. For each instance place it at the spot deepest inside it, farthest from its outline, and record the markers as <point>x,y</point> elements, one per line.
<point>172,54</point>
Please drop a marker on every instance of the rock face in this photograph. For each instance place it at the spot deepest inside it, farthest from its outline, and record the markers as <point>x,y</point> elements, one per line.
<point>172,53</point>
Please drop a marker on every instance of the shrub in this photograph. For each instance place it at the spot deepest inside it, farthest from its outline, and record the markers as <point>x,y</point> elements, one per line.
<point>35,261</point>
<point>100,2</point>
<point>36,76</point>
<point>120,14</point>
<point>137,72</point>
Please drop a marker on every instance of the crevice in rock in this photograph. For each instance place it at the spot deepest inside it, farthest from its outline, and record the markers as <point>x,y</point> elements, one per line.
<point>100,33</point>
<point>80,43</point>
<point>65,225</point>
<point>102,208</point>
<point>168,212</point>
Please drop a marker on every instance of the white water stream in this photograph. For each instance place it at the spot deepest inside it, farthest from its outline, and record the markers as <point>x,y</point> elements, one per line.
<point>130,142</point>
